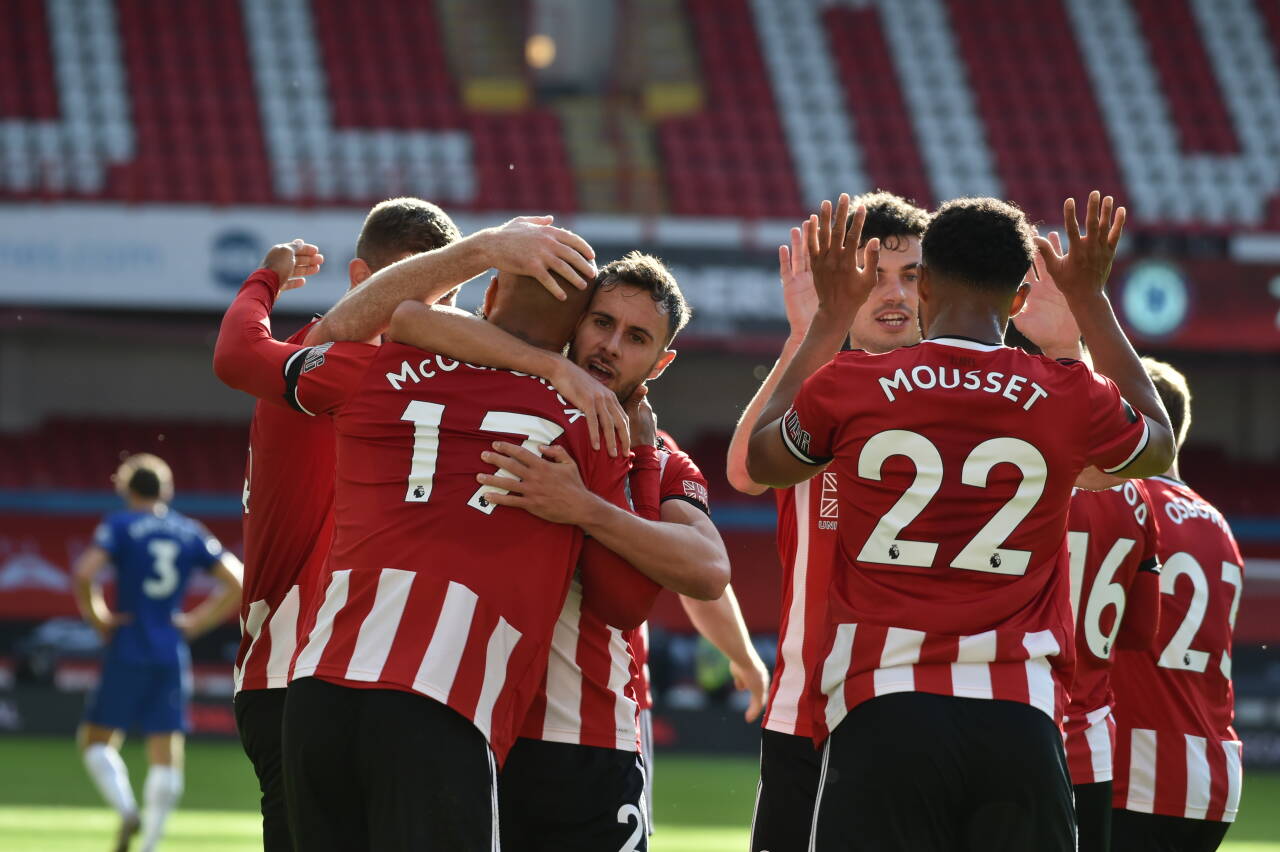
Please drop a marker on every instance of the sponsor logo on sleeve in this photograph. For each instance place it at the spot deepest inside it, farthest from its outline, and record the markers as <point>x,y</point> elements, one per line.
<point>315,357</point>
<point>795,432</point>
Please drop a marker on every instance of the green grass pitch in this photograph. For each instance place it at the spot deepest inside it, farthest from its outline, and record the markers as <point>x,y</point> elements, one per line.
<point>703,803</point>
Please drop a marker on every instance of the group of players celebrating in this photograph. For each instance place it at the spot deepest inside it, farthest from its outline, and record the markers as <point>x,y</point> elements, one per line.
<point>456,526</point>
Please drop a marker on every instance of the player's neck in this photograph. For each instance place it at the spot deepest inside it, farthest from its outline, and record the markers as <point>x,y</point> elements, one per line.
<point>981,326</point>
<point>154,507</point>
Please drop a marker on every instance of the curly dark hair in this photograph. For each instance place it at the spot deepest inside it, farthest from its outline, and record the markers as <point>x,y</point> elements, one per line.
<point>985,243</point>
<point>647,272</point>
<point>400,226</point>
<point>890,218</point>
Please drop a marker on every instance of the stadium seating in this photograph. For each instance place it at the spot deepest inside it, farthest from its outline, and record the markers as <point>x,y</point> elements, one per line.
<point>1174,106</point>
<point>730,159</point>
<point>81,455</point>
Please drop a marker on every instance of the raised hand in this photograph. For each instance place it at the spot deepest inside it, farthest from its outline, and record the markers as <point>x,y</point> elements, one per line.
<point>643,422</point>
<point>1046,319</point>
<point>530,245</point>
<point>843,274</point>
<point>797,283</point>
<point>604,413</point>
<point>1082,272</point>
<point>293,262</point>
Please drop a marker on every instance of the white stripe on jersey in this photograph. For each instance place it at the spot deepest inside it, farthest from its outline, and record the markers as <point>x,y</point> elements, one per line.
<point>1041,690</point>
<point>1142,771</point>
<point>1198,778</point>
<point>901,652</point>
<point>624,709</point>
<point>335,597</point>
<point>502,641</point>
<point>252,627</point>
<point>834,672</point>
<point>1098,737</point>
<point>1234,778</point>
<point>284,639</point>
<point>792,682</point>
<point>973,679</point>
<point>563,717</point>
<point>378,630</point>
<point>444,652</point>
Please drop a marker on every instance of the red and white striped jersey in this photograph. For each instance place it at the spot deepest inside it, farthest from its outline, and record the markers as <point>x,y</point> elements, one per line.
<point>1112,541</point>
<point>808,517</point>
<point>1177,753</point>
<point>288,501</point>
<point>639,640</point>
<point>596,683</point>
<point>954,464</point>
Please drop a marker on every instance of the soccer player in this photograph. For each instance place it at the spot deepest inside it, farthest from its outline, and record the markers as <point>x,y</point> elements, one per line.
<point>948,647</point>
<point>146,671</point>
<point>288,494</point>
<point>585,735</point>
<point>430,658</point>
<point>808,516</point>
<point>1178,773</point>
<point>1115,586</point>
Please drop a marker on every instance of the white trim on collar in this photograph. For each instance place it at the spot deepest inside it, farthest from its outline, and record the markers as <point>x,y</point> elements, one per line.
<point>961,343</point>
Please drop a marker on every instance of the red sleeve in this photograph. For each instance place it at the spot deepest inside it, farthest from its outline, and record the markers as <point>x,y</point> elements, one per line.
<point>1117,433</point>
<point>1141,622</point>
<point>246,356</point>
<point>645,480</point>
<point>615,592</point>
<point>809,426</point>
<point>319,379</point>
<point>682,480</point>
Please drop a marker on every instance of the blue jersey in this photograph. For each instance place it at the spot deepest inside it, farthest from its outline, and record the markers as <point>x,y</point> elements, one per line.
<point>154,557</point>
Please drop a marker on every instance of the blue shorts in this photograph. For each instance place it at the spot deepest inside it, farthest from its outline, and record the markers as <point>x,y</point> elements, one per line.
<point>151,698</point>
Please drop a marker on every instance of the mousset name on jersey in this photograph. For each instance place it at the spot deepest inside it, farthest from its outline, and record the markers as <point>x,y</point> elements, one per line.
<point>928,377</point>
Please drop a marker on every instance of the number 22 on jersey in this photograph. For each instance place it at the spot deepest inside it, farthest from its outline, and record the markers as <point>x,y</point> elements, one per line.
<point>984,552</point>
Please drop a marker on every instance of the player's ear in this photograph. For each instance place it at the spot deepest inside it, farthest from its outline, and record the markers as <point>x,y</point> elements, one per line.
<point>664,361</point>
<point>358,272</point>
<point>490,295</point>
<point>1019,299</point>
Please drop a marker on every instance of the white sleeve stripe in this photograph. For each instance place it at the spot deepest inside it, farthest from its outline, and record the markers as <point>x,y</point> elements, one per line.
<point>1137,451</point>
<point>294,357</point>
<point>796,451</point>
<point>294,390</point>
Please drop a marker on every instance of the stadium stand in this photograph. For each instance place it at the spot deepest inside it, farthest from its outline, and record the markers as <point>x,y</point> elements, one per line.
<point>934,98</point>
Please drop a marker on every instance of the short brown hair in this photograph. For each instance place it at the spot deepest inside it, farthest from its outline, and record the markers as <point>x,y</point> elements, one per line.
<point>145,476</point>
<point>1174,393</point>
<point>891,218</point>
<point>646,272</point>
<point>400,226</point>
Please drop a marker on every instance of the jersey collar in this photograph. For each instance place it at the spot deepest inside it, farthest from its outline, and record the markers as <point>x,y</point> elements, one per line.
<point>964,343</point>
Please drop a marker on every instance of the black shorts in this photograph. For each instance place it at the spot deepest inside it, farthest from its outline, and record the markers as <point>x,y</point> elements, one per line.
<point>789,770</point>
<point>260,719</point>
<point>559,797</point>
<point>379,769</point>
<point>1137,832</point>
<point>1093,816</point>
<point>917,772</point>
